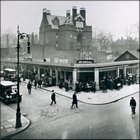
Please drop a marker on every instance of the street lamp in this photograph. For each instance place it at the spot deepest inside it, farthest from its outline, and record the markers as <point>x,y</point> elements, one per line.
<point>19,36</point>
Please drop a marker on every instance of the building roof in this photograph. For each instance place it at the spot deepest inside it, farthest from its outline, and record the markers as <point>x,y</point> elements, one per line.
<point>7,83</point>
<point>61,19</point>
<point>9,69</point>
<point>135,54</point>
<point>69,20</point>
<point>94,65</point>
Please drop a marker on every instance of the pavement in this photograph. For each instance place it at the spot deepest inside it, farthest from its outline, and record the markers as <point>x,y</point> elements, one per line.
<point>8,115</point>
<point>8,121</point>
<point>99,98</point>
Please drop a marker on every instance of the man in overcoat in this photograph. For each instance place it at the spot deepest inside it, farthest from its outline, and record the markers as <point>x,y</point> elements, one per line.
<point>74,102</point>
<point>53,97</point>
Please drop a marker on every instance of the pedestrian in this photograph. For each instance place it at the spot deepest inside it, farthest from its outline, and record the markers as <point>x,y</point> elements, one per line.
<point>61,84</point>
<point>74,102</point>
<point>104,89</point>
<point>53,97</point>
<point>29,87</point>
<point>35,83</point>
<point>77,87</point>
<point>133,105</point>
<point>39,83</point>
<point>50,81</point>
<point>94,86</point>
<point>66,86</point>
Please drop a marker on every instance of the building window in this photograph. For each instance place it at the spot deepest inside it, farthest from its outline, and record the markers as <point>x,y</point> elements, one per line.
<point>71,45</point>
<point>79,38</point>
<point>55,21</point>
<point>56,35</point>
<point>56,44</point>
<point>70,35</point>
<point>81,55</point>
<point>90,55</point>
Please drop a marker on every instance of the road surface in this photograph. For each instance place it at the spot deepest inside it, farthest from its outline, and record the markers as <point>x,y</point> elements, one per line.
<point>112,121</point>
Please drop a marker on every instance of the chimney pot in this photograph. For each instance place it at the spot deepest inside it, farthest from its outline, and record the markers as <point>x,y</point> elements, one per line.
<point>74,7</point>
<point>67,13</point>
<point>44,10</point>
<point>82,8</point>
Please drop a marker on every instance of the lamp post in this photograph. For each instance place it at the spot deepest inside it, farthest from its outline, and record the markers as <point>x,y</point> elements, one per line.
<point>19,36</point>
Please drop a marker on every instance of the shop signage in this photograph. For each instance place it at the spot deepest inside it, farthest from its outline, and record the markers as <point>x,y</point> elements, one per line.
<point>61,61</point>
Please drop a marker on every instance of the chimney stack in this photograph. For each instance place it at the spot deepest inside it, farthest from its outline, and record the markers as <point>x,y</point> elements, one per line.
<point>48,12</point>
<point>67,13</point>
<point>74,12</point>
<point>83,13</point>
<point>44,18</point>
<point>44,13</point>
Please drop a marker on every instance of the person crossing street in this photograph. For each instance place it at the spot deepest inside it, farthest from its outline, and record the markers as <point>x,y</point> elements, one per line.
<point>29,87</point>
<point>53,97</point>
<point>74,102</point>
<point>133,106</point>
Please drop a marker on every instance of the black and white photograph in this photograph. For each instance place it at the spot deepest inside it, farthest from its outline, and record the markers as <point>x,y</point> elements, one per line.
<point>69,70</point>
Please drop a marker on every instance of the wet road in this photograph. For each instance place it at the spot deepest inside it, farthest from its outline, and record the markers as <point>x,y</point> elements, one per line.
<point>112,121</point>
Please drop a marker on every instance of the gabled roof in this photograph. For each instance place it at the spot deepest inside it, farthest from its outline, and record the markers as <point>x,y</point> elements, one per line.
<point>79,16</point>
<point>61,19</point>
<point>134,54</point>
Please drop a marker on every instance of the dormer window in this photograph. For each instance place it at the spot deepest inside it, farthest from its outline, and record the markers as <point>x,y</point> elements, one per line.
<point>55,21</point>
<point>79,19</point>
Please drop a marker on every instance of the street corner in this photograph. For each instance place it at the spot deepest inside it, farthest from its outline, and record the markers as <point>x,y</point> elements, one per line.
<point>8,127</point>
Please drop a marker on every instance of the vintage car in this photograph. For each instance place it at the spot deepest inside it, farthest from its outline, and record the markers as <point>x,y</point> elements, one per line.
<point>8,92</point>
<point>10,74</point>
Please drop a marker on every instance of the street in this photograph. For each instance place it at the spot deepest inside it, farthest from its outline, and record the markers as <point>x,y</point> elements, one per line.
<point>112,121</point>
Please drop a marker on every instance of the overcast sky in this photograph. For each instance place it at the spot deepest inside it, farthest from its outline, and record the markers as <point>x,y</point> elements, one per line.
<point>106,16</point>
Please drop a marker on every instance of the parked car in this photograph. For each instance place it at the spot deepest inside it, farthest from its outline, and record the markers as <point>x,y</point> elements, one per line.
<point>10,74</point>
<point>8,92</point>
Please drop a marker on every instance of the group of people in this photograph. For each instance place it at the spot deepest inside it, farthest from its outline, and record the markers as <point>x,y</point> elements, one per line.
<point>34,83</point>
<point>85,86</point>
<point>117,82</point>
<point>66,84</point>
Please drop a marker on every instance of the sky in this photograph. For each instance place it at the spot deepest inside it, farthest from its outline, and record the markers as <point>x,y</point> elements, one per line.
<point>113,17</point>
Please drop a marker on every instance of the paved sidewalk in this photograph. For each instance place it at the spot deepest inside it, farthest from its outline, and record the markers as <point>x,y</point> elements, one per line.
<point>8,121</point>
<point>99,98</point>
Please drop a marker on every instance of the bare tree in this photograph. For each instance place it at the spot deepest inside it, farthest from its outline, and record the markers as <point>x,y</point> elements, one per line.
<point>104,40</point>
<point>132,31</point>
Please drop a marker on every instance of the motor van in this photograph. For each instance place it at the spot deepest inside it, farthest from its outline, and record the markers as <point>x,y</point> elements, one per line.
<point>10,74</point>
<point>8,92</point>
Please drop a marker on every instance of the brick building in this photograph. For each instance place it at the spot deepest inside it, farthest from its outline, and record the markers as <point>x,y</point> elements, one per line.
<point>60,35</point>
